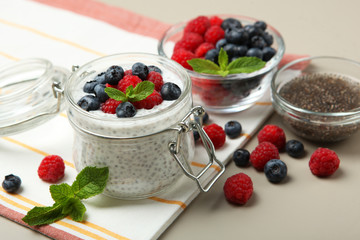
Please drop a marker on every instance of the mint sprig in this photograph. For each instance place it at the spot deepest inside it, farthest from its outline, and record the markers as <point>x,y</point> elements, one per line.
<point>240,65</point>
<point>140,92</point>
<point>89,182</point>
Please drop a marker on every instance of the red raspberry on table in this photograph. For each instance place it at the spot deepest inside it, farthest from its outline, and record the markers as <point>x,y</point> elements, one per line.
<point>190,41</point>
<point>263,153</point>
<point>109,106</point>
<point>238,188</point>
<point>215,20</point>
<point>51,168</point>
<point>151,101</point>
<point>198,25</point>
<point>202,49</point>
<point>324,162</point>
<point>156,79</point>
<point>127,81</point>
<point>216,134</point>
<point>214,34</point>
<point>181,56</point>
<point>273,134</point>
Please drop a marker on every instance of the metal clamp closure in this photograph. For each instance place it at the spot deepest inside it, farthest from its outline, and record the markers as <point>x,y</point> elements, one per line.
<point>174,148</point>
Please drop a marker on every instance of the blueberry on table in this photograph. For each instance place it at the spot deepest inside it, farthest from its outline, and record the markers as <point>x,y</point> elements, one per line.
<point>125,110</point>
<point>89,103</point>
<point>100,92</point>
<point>11,183</point>
<point>141,70</point>
<point>294,148</point>
<point>275,170</point>
<point>233,129</point>
<point>170,91</point>
<point>114,74</point>
<point>241,157</point>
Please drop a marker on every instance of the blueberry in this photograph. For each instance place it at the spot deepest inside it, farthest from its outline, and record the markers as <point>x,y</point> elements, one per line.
<point>125,110</point>
<point>241,157</point>
<point>114,74</point>
<point>231,23</point>
<point>196,135</point>
<point>268,53</point>
<point>100,78</point>
<point>258,42</point>
<point>269,39</point>
<point>89,86</point>
<point>153,68</point>
<point>275,170</point>
<point>11,183</point>
<point>260,24</point>
<point>254,52</point>
<point>212,55</point>
<point>294,148</point>
<point>221,43</point>
<point>233,129</point>
<point>253,31</point>
<point>237,36</point>
<point>89,103</point>
<point>141,70</point>
<point>170,91</point>
<point>100,92</point>
<point>205,118</point>
<point>235,50</point>
<point>230,49</point>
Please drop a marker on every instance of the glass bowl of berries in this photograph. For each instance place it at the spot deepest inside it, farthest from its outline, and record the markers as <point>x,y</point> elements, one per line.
<point>230,59</point>
<point>318,98</point>
<point>133,113</point>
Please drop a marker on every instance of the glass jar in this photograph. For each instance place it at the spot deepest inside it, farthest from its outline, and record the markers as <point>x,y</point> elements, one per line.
<point>30,94</point>
<point>145,154</point>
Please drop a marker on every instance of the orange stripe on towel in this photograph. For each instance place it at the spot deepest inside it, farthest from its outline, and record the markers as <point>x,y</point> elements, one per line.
<point>34,149</point>
<point>181,204</point>
<point>196,164</point>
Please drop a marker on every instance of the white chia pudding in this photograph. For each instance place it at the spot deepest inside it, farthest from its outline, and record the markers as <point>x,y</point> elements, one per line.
<point>135,149</point>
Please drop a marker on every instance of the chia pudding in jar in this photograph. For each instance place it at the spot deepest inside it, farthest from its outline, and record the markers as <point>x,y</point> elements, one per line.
<point>136,149</point>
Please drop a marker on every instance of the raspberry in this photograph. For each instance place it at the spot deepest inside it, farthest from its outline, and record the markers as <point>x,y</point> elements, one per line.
<point>109,85</point>
<point>190,41</point>
<point>128,72</point>
<point>324,162</point>
<point>264,152</point>
<point>273,134</point>
<point>214,34</point>
<point>110,106</point>
<point>202,49</point>
<point>216,134</point>
<point>151,101</point>
<point>156,79</point>
<point>182,56</point>
<point>51,168</point>
<point>127,81</point>
<point>215,20</point>
<point>198,25</point>
<point>238,188</point>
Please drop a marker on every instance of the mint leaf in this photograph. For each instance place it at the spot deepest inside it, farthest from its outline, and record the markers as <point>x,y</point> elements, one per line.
<point>142,91</point>
<point>240,65</point>
<point>75,208</point>
<point>61,192</point>
<point>116,94</point>
<point>245,65</point>
<point>203,66</point>
<point>223,60</point>
<point>90,182</point>
<point>44,215</point>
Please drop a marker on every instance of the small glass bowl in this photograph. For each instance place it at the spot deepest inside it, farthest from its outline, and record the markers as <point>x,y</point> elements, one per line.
<point>330,122</point>
<point>235,92</point>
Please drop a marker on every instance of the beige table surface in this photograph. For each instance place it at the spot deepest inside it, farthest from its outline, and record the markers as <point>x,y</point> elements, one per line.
<point>304,206</point>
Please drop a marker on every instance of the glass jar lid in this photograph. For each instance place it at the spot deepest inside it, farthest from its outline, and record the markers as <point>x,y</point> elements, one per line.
<point>30,93</point>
